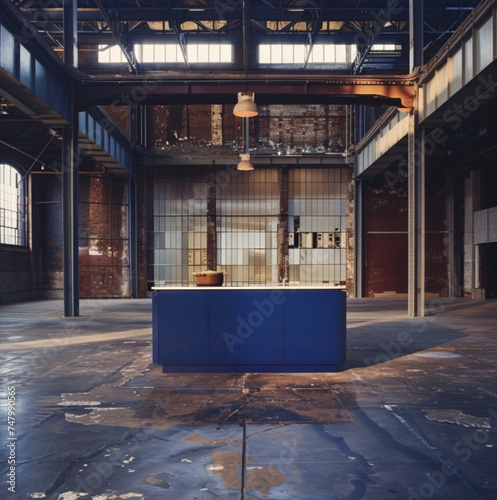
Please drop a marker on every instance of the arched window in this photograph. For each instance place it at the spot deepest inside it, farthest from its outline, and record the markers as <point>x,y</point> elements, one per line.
<point>12,206</point>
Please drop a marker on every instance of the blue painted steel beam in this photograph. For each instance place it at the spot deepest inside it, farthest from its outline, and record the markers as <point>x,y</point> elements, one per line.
<point>104,141</point>
<point>70,171</point>
<point>38,82</point>
<point>71,32</point>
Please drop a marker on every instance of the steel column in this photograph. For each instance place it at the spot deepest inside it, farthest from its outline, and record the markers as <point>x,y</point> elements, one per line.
<point>416,176</point>
<point>416,218</point>
<point>453,268</point>
<point>70,37</point>
<point>415,34</point>
<point>70,171</point>
<point>358,239</point>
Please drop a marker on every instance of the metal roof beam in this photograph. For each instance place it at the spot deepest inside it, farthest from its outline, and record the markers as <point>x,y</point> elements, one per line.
<point>117,37</point>
<point>315,29</point>
<point>274,13</point>
<point>293,88</point>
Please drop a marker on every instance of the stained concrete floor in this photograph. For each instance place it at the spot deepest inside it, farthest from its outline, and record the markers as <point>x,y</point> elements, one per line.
<point>412,416</point>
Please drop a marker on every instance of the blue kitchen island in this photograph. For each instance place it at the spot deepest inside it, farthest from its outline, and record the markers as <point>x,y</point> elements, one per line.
<point>249,329</point>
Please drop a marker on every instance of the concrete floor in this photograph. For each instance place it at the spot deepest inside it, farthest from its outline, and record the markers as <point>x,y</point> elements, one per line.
<point>413,415</point>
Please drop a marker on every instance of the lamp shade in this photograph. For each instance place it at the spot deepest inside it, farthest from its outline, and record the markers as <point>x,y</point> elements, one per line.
<point>246,107</point>
<point>245,163</point>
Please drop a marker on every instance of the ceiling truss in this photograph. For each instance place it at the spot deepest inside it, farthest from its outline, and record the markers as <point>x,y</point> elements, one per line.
<point>247,23</point>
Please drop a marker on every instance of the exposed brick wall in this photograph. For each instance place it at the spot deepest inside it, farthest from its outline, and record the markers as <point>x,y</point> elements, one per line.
<point>315,129</point>
<point>299,129</point>
<point>103,237</point>
<point>142,233</point>
<point>350,234</point>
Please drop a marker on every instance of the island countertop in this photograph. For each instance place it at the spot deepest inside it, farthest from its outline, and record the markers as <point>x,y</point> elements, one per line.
<point>249,329</point>
<point>250,287</point>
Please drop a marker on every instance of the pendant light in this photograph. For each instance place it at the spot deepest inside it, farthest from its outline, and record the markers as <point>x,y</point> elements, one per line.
<point>246,107</point>
<point>245,163</point>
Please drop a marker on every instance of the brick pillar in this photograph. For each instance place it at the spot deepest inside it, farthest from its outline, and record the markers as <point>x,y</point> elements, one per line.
<point>283,227</point>
<point>211,224</point>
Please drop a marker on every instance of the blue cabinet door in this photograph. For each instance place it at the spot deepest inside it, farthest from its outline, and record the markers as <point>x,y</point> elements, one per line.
<point>245,328</point>
<point>181,327</point>
<point>314,327</point>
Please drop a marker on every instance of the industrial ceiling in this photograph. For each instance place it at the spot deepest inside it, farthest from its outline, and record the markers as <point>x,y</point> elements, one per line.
<point>366,24</point>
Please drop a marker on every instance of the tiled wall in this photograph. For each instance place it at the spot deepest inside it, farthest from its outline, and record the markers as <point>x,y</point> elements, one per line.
<point>317,213</point>
<point>247,223</point>
<point>247,211</point>
<point>176,225</point>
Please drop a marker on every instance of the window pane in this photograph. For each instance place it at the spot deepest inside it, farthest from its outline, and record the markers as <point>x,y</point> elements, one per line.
<point>288,54</point>
<point>317,55</point>
<point>103,54</point>
<point>264,54</point>
<point>116,54</point>
<point>171,53</point>
<point>12,206</point>
<point>341,54</point>
<point>353,52</point>
<point>160,53</point>
<point>226,53</point>
<point>147,53</point>
<point>203,53</point>
<point>299,54</point>
<point>329,53</point>
<point>192,53</point>
<point>276,54</point>
<point>214,53</point>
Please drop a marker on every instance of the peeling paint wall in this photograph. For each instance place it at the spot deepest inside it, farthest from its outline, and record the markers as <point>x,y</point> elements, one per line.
<point>278,129</point>
<point>350,235</point>
<point>284,129</point>
<point>103,237</point>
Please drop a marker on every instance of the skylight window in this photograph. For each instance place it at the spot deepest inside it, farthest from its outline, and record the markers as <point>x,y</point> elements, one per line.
<point>209,53</point>
<point>296,54</point>
<point>385,47</point>
<point>158,53</point>
<point>169,53</point>
<point>110,54</point>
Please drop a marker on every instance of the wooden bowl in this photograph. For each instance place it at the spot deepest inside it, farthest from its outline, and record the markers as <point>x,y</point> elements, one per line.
<point>209,278</point>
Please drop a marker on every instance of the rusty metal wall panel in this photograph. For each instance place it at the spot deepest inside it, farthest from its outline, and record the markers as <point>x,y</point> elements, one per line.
<point>386,237</point>
<point>386,233</point>
<point>386,264</point>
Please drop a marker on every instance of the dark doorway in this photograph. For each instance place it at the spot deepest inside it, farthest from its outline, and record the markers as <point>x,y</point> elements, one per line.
<point>488,269</point>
